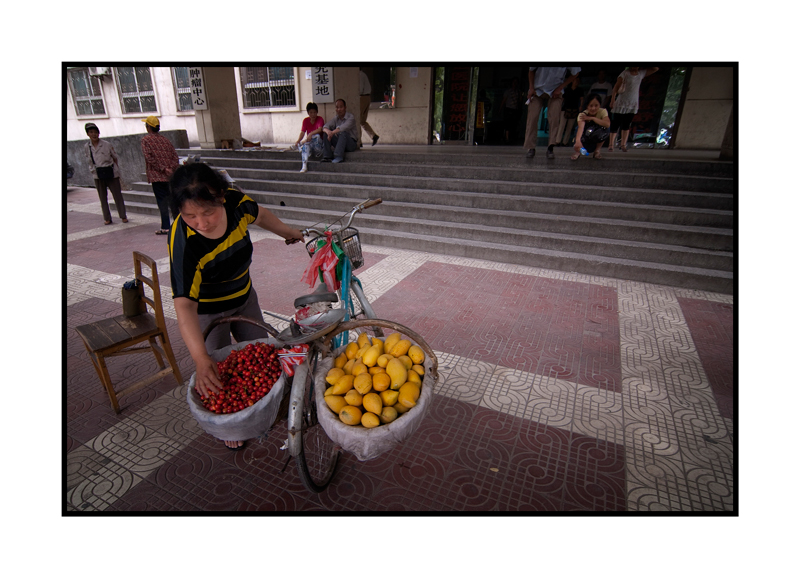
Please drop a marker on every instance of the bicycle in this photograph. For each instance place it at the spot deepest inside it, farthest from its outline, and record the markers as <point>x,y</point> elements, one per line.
<point>315,454</point>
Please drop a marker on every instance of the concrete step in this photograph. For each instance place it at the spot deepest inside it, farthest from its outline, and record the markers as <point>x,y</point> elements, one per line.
<point>620,268</point>
<point>551,175</point>
<point>482,202</point>
<point>503,157</point>
<point>571,243</point>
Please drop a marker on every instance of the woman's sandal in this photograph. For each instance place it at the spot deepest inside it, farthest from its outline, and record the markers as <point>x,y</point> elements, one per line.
<point>596,155</point>
<point>575,157</point>
<point>624,149</point>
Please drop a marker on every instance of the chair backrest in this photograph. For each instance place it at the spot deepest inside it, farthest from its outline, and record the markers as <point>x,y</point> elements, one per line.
<point>152,282</point>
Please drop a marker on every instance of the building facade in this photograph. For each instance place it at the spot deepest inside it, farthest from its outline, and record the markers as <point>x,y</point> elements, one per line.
<point>681,106</point>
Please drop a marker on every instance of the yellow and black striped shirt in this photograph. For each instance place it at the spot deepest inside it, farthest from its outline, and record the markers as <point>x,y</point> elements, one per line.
<point>214,272</point>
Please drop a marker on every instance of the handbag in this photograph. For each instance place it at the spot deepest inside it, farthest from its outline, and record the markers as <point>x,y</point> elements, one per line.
<point>103,173</point>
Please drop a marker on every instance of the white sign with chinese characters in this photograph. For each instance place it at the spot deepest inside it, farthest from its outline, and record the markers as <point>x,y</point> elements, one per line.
<point>198,87</point>
<point>322,84</point>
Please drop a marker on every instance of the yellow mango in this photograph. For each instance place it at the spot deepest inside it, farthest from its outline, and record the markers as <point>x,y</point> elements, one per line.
<point>388,415</point>
<point>400,408</point>
<point>348,367</point>
<point>409,394</point>
<point>329,391</point>
<point>397,372</point>
<point>406,361</point>
<point>359,367</point>
<point>340,361</point>
<point>381,381</point>
<point>360,353</point>
<point>351,350</point>
<point>389,397</point>
<point>391,341</point>
<point>363,339</point>
<point>375,370</point>
<point>342,386</point>
<point>413,377</point>
<point>383,360</point>
<point>335,402</point>
<point>401,348</point>
<point>350,415</point>
<point>370,420</point>
<point>333,375</point>
<point>372,402</point>
<point>378,341</point>
<point>416,354</point>
<point>371,355</point>
<point>419,369</point>
<point>363,383</point>
<point>353,398</point>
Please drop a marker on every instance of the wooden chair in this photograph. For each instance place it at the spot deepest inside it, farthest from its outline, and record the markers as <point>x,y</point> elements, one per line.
<point>118,335</point>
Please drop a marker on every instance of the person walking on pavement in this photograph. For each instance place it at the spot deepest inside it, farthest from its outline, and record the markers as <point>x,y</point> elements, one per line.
<point>161,160</point>
<point>104,166</point>
<point>365,90</point>
<point>340,134</point>
<point>545,87</point>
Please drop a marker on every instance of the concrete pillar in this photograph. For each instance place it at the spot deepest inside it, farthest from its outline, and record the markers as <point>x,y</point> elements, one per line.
<point>221,120</point>
<point>345,86</point>
<point>726,151</point>
<point>707,108</point>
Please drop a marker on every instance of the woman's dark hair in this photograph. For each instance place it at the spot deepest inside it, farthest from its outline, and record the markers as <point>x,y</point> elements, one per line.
<point>196,182</point>
<point>312,106</point>
<point>591,97</point>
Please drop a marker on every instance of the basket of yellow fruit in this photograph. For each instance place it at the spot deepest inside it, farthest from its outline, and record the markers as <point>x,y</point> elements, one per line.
<point>374,392</point>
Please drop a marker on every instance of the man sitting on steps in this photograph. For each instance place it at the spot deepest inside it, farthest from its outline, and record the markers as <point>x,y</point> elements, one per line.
<point>339,133</point>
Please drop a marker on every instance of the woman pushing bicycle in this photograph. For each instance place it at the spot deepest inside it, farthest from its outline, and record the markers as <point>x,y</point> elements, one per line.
<point>210,254</point>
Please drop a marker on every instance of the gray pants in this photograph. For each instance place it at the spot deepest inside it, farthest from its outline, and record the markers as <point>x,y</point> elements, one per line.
<point>341,143</point>
<point>220,336</point>
<point>116,191</point>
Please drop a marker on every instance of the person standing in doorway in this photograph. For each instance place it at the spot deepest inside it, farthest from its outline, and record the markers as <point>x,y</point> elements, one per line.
<point>573,94</point>
<point>545,87</point>
<point>625,103</point>
<point>104,166</point>
<point>340,134</point>
<point>512,108</point>
<point>602,87</point>
<point>365,90</point>
<point>160,160</point>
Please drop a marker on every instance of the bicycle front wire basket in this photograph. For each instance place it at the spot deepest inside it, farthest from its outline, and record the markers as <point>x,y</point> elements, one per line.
<point>348,241</point>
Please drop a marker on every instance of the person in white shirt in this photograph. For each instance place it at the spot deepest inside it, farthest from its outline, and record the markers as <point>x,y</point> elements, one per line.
<point>365,90</point>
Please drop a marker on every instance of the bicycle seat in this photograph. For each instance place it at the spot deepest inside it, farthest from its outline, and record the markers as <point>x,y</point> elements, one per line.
<point>321,295</point>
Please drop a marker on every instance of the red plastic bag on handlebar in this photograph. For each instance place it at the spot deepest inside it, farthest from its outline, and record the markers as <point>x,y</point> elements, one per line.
<point>324,260</point>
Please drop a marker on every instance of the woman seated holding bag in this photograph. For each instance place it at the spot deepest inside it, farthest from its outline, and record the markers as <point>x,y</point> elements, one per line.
<point>593,126</point>
<point>210,254</point>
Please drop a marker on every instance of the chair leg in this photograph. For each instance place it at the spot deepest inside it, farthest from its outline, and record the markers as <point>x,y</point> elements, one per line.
<point>171,357</point>
<point>106,379</point>
<point>154,348</point>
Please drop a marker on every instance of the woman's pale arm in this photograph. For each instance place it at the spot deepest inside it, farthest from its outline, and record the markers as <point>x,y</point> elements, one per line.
<point>267,220</point>
<point>206,376</point>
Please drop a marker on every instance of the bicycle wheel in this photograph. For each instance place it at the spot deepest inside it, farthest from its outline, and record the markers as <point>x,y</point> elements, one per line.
<point>314,452</point>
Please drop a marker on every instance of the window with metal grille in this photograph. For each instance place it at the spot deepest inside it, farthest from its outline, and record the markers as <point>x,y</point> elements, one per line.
<point>86,92</point>
<point>267,86</point>
<point>182,85</point>
<point>136,89</point>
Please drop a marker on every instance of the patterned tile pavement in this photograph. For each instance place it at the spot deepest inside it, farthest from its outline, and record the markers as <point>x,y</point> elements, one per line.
<point>559,392</point>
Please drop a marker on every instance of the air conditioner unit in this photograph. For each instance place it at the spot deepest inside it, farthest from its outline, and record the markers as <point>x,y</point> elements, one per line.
<point>99,71</point>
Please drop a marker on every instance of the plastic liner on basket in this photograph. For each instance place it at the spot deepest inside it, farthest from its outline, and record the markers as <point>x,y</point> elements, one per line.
<point>248,423</point>
<point>369,443</point>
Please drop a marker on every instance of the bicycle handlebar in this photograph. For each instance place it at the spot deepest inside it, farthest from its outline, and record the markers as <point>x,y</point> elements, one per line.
<point>357,209</point>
